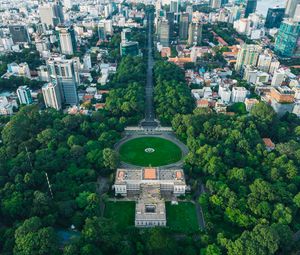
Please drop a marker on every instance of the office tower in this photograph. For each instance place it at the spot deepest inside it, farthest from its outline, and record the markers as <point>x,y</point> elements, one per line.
<point>67,40</point>
<point>274,17</point>
<point>248,55</point>
<point>174,6</point>
<point>101,31</point>
<point>164,33</point>
<point>250,7</point>
<point>128,47</point>
<point>195,34</point>
<point>24,95</point>
<point>171,17</point>
<point>51,14</point>
<point>189,10</point>
<point>19,33</point>
<point>215,4</point>
<point>286,41</point>
<point>291,7</point>
<point>52,96</point>
<point>64,72</point>
<point>184,26</point>
<point>126,35</point>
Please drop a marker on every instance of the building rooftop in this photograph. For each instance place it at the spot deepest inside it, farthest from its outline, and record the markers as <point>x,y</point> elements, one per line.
<point>143,175</point>
<point>149,173</point>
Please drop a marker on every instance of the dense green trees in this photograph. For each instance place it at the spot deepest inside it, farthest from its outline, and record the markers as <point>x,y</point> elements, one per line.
<point>171,94</point>
<point>73,150</point>
<point>126,98</point>
<point>252,200</point>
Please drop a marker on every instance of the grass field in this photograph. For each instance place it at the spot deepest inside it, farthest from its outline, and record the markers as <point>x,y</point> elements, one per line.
<point>165,152</point>
<point>121,212</point>
<point>182,217</point>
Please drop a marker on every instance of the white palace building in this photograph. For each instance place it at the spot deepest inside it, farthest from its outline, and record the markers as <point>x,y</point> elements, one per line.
<point>152,185</point>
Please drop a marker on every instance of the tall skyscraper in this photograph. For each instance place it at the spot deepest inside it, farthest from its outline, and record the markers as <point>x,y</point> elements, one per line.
<point>63,72</point>
<point>189,10</point>
<point>24,95</point>
<point>184,26</point>
<point>164,33</point>
<point>290,8</point>
<point>51,14</point>
<point>286,41</point>
<point>195,34</point>
<point>274,17</point>
<point>19,33</point>
<point>171,17</point>
<point>250,7</point>
<point>248,55</point>
<point>67,40</point>
<point>52,96</point>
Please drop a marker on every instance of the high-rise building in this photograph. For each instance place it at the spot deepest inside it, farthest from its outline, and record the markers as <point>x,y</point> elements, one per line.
<point>64,73</point>
<point>274,17</point>
<point>51,14</point>
<point>189,10</point>
<point>67,40</point>
<point>250,7</point>
<point>164,33</point>
<point>184,26</point>
<point>174,6</point>
<point>19,33</point>
<point>52,96</point>
<point>128,47</point>
<point>286,41</point>
<point>290,8</point>
<point>195,34</point>
<point>24,95</point>
<point>171,18</point>
<point>215,4</point>
<point>248,55</point>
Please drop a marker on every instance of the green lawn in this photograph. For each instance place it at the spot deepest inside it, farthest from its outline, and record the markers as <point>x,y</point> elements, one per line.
<point>121,212</point>
<point>239,108</point>
<point>182,217</point>
<point>165,152</point>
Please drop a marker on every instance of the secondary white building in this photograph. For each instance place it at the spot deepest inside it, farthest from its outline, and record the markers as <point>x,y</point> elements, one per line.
<point>278,78</point>
<point>52,96</point>
<point>24,95</point>
<point>238,94</point>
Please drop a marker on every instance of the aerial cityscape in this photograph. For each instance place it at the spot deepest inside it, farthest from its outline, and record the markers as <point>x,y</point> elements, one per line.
<point>150,127</point>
